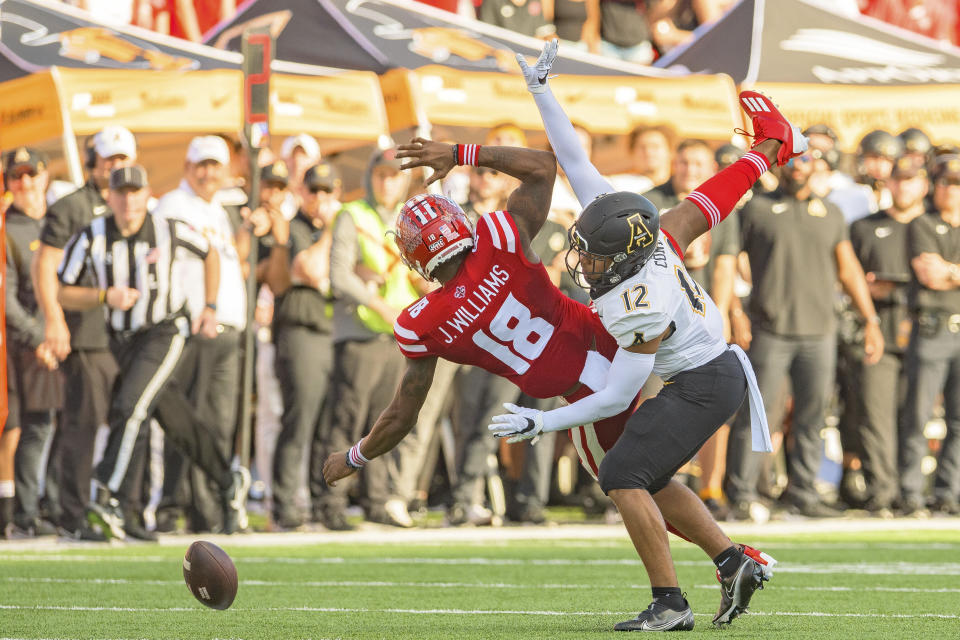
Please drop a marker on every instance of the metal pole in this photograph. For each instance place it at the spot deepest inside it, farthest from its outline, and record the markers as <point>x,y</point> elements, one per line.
<point>257,47</point>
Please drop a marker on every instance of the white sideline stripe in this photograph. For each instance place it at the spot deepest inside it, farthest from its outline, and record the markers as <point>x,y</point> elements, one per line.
<point>453,585</point>
<point>780,587</point>
<point>460,612</point>
<point>880,568</point>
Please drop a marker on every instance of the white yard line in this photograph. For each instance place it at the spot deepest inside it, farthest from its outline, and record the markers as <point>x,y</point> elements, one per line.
<point>449,585</point>
<point>496,612</point>
<point>868,568</point>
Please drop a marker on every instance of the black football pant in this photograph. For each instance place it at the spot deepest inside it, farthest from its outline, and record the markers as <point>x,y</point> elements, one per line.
<point>808,363</point>
<point>933,367</point>
<point>364,379</point>
<point>303,364</point>
<point>876,392</point>
<point>89,375</point>
<point>145,387</point>
<point>209,372</point>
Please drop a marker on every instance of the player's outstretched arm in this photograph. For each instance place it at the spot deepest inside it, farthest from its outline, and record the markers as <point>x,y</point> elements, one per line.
<point>586,181</point>
<point>628,373</point>
<point>397,420</point>
<point>529,203</point>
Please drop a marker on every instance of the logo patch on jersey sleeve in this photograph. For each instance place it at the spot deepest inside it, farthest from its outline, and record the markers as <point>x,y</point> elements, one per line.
<point>637,338</point>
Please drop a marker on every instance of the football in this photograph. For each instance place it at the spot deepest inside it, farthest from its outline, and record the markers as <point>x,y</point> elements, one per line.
<point>210,574</point>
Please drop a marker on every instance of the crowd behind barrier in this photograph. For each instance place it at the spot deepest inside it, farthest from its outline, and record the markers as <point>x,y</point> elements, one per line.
<point>637,31</point>
<point>839,275</point>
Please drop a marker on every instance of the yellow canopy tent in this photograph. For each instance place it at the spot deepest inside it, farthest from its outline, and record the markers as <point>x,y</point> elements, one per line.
<point>65,75</point>
<point>437,68</point>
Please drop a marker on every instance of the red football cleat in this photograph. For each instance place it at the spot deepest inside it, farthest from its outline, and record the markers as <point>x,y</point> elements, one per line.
<point>769,123</point>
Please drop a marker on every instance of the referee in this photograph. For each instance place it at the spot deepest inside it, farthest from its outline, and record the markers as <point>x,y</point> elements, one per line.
<point>132,255</point>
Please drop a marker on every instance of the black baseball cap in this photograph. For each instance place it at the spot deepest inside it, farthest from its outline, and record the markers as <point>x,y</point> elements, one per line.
<point>946,167</point>
<point>908,166</point>
<point>134,177</point>
<point>275,173</point>
<point>322,176</point>
<point>24,157</point>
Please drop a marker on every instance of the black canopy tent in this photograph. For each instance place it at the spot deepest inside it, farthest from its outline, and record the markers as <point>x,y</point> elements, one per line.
<point>852,72</point>
<point>439,68</point>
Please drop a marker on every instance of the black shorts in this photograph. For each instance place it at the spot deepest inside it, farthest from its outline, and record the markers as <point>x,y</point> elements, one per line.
<point>667,431</point>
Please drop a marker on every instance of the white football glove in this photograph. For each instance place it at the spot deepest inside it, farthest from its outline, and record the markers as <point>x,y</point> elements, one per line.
<point>520,424</point>
<point>536,76</point>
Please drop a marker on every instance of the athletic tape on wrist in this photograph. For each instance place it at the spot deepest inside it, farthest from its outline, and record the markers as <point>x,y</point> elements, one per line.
<point>468,154</point>
<point>356,459</point>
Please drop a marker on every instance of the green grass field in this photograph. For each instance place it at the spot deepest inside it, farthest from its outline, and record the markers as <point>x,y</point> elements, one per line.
<point>853,585</point>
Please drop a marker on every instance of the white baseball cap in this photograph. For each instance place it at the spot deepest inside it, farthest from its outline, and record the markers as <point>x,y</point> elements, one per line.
<point>208,148</point>
<point>305,142</point>
<point>115,141</point>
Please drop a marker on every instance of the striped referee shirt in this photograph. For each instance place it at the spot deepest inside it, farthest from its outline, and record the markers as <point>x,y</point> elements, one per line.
<point>143,261</point>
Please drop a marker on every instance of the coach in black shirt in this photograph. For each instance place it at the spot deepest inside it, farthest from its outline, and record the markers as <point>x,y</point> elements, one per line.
<point>799,251</point>
<point>131,255</point>
<point>880,242</point>
<point>933,358</point>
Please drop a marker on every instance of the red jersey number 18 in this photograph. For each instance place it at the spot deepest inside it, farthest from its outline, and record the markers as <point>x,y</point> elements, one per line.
<point>516,338</point>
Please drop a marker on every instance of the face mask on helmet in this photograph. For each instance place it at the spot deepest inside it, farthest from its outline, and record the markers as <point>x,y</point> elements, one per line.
<point>431,229</point>
<point>611,241</point>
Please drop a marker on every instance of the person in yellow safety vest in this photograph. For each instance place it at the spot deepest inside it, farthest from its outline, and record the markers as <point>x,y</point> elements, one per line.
<point>370,286</point>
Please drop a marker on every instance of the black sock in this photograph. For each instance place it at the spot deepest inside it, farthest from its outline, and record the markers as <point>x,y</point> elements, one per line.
<point>670,596</point>
<point>728,561</point>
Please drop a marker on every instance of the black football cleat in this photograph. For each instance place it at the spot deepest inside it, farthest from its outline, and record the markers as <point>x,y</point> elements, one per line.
<point>736,590</point>
<point>104,512</point>
<point>659,617</point>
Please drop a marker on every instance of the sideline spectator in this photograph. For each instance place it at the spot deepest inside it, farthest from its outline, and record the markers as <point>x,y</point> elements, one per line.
<point>298,272</point>
<point>35,388</point>
<point>625,32</point>
<point>880,242</point>
<point>300,152</point>
<point>79,338</point>
<point>934,352</point>
<point>651,152</point>
<point>577,23</point>
<point>215,374</point>
<point>523,16</point>
<point>935,19</point>
<point>799,250</point>
<point>189,19</point>
<point>371,286</point>
<point>875,155</point>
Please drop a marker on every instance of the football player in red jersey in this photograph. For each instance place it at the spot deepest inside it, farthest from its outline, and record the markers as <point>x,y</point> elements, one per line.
<point>496,307</point>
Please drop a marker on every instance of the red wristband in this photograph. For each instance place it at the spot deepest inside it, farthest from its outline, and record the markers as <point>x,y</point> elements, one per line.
<point>468,154</point>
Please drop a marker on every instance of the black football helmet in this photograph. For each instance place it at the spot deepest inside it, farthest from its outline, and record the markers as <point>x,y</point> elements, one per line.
<point>611,240</point>
<point>915,140</point>
<point>880,143</point>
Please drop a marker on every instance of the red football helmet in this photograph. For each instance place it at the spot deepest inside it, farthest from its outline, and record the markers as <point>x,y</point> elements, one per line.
<point>430,230</point>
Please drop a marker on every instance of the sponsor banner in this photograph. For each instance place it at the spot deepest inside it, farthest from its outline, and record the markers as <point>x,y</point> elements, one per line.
<point>152,100</point>
<point>696,106</point>
<point>29,111</point>
<point>347,105</point>
<point>853,111</point>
